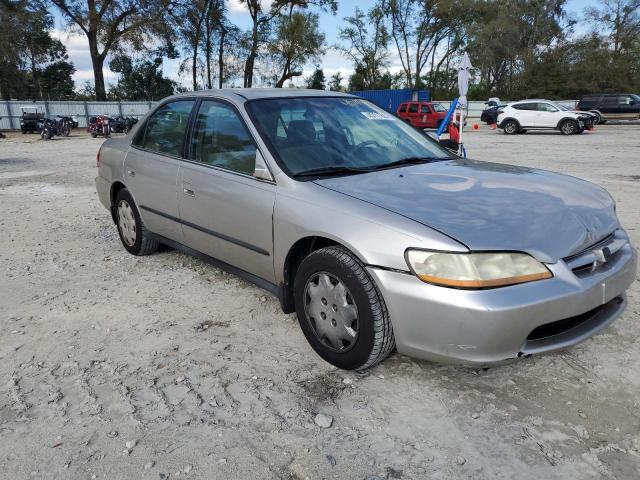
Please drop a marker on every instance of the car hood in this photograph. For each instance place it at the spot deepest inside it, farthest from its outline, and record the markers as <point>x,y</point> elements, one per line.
<point>490,206</point>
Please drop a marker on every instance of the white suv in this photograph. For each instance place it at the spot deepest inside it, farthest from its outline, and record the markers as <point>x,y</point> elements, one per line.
<point>526,115</point>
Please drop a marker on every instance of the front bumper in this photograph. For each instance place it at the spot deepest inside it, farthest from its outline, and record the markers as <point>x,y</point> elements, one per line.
<point>493,326</point>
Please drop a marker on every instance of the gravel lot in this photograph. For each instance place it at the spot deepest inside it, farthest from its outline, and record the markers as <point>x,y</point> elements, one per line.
<point>118,367</point>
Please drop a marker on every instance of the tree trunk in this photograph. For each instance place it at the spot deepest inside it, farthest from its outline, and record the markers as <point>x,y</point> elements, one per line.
<point>221,57</point>
<point>97,61</point>
<point>251,59</point>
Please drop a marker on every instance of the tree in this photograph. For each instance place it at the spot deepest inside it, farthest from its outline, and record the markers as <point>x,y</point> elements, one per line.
<point>110,24</point>
<point>316,81</point>
<point>420,28</point>
<point>335,84</point>
<point>297,41</point>
<point>620,20</point>
<point>260,26</point>
<point>367,51</point>
<point>507,38</point>
<point>28,53</point>
<point>142,80</point>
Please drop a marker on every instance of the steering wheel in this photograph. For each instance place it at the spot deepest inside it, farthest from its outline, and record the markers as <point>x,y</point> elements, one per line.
<point>362,145</point>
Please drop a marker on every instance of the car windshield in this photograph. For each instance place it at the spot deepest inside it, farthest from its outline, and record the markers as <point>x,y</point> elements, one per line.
<point>438,108</point>
<point>338,136</point>
<point>560,107</point>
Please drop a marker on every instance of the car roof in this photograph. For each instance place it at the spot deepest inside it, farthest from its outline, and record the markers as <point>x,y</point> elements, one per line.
<point>261,93</point>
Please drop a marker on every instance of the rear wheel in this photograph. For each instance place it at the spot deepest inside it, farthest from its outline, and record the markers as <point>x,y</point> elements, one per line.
<point>598,118</point>
<point>135,238</point>
<point>511,127</point>
<point>341,311</point>
<point>569,127</point>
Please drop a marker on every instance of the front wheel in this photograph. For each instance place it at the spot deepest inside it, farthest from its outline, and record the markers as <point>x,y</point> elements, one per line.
<point>341,311</point>
<point>511,127</point>
<point>135,238</point>
<point>569,127</point>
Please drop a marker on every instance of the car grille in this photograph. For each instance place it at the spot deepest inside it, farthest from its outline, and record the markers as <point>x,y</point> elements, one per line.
<point>597,256</point>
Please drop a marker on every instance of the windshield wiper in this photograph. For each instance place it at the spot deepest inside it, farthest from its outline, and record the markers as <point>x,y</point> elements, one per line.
<point>410,161</point>
<point>321,171</point>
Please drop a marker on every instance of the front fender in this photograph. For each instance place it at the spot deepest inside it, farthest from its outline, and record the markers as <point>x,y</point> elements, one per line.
<point>376,236</point>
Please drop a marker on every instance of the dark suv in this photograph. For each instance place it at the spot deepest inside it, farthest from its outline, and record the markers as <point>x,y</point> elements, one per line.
<point>611,106</point>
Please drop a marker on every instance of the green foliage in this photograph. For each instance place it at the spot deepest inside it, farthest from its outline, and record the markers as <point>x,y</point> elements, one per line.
<point>335,84</point>
<point>296,42</point>
<point>316,81</point>
<point>142,80</point>
<point>33,64</point>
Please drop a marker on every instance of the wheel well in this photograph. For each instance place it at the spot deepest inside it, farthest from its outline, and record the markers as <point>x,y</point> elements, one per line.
<point>564,120</point>
<point>510,119</point>
<point>297,253</point>
<point>115,188</point>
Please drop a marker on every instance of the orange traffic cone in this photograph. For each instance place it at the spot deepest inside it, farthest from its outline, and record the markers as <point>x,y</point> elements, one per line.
<point>476,126</point>
<point>493,126</point>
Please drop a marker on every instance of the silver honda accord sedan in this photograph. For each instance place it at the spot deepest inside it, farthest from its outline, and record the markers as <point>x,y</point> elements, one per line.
<point>372,233</point>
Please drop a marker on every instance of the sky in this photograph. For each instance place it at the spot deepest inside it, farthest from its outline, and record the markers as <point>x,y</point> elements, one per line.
<point>333,61</point>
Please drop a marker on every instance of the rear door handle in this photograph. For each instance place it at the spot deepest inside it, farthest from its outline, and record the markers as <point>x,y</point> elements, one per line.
<point>131,173</point>
<point>189,191</point>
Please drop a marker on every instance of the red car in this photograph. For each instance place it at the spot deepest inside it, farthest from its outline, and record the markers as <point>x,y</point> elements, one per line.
<point>422,114</point>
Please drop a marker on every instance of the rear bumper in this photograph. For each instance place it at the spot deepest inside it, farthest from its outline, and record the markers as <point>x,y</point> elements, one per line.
<point>489,327</point>
<point>103,187</point>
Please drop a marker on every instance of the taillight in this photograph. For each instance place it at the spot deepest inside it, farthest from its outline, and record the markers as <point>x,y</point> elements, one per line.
<point>98,158</point>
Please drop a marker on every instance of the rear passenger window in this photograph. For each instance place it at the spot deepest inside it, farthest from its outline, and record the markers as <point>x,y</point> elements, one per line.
<point>221,139</point>
<point>165,129</point>
<point>524,106</point>
<point>413,108</point>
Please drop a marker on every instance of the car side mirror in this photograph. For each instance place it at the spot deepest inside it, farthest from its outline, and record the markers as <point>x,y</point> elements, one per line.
<point>261,170</point>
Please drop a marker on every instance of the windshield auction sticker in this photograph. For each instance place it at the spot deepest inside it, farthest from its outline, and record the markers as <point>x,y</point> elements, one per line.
<point>375,116</point>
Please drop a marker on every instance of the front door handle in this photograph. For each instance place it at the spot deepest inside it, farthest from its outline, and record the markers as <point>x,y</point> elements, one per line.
<point>131,173</point>
<point>189,191</point>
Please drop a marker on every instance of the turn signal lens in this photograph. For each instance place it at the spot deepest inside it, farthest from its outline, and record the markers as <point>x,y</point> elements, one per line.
<point>475,270</point>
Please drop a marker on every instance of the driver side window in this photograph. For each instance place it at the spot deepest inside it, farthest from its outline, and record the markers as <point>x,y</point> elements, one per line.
<point>221,139</point>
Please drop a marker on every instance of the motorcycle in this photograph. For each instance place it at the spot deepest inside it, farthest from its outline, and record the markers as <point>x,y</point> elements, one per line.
<point>123,124</point>
<point>100,126</point>
<point>50,128</point>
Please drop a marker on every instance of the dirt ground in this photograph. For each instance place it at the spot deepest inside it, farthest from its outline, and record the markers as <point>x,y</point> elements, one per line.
<point>163,367</point>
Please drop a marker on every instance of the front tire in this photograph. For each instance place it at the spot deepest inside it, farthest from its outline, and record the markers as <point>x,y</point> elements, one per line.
<point>341,311</point>
<point>569,127</point>
<point>511,127</point>
<point>135,238</point>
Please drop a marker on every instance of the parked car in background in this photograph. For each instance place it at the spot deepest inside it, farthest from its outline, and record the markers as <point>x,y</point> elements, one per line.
<point>371,232</point>
<point>422,114</point>
<point>31,119</point>
<point>611,106</point>
<point>490,114</point>
<point>518,117</point>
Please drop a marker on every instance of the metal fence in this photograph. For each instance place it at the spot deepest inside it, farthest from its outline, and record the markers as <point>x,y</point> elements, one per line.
<point>11,111</point>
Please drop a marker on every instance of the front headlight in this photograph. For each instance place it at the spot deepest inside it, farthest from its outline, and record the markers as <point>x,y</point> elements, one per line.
<point>475,270</point>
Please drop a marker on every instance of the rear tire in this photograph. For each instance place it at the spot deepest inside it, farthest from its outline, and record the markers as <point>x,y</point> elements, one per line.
<point>344,290</point>
<point>511,127</point>
<point>135,238</point>
<point>598,117</point>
